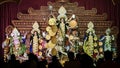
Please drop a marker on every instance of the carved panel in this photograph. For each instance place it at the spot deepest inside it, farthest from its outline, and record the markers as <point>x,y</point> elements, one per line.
<point>25,21</point>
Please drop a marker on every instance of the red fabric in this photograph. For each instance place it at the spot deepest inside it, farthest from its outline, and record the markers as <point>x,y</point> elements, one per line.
<point>8,11</point>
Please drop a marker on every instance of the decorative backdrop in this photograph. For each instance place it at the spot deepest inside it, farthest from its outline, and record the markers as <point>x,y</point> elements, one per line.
<point>9,10</point>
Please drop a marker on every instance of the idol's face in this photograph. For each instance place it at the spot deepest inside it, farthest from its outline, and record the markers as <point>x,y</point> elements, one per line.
<point>35,33</point>
<point>62,20</point>
<point>107,33</point>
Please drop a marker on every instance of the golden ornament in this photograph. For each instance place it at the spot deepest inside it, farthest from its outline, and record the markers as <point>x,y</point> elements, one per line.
<point>95,51</point>
<point>40,47</point>
<point>73,24</point>
<point>95,38</point>
<point>100,49</point>
<point>54,40</point>
<point>54,28</point>
<point>48,28</point>
<point>52,21</point>
<point>48,37</point>
<point>100,43</point>
<point>50,44</point>
<point>95,44</point>
<point>40,53</point>
<point>54,52</point>
<point>51,33</point>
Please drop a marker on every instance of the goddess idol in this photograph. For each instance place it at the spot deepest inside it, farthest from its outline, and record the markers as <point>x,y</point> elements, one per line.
<point>90,40</point>
<point>107,40</point>
<point>35,38</point>
<point>16,46</point>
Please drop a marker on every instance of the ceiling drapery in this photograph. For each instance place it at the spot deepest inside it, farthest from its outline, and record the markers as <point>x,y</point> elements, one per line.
<point>17,1</point>
<point>115,2</point>
<point>5,1</point>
